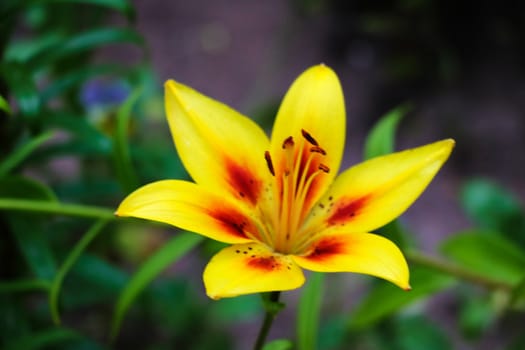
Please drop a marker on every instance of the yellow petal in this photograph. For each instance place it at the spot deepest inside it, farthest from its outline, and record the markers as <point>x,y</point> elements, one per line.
<point>357,252</point>
<point>250,268</point>
<point>371,194</point>
<point>188,206</point>
<point>219,147</point>
<point>312,110</point>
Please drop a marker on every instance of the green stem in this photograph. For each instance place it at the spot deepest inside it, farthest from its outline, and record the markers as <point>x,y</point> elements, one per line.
<point>24,285</point>
<point>56,208</point>
<point>71,259</point>
<point>455,270</point>
<point>269,316</point>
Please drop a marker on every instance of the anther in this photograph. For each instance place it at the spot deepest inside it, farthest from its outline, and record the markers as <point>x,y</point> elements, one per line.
<point>318,149</point>
<point>324,168</point>
<point>268,158</point>
<point>288,142</point>
<point>309,137</point>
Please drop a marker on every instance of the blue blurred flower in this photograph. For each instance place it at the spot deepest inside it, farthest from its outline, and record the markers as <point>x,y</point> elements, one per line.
<point>103,93</point>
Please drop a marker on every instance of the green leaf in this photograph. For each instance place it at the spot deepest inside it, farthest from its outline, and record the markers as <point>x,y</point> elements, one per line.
<point>380,139</point>
<point>79,147</point>
<point>418,332</point>
<point>170,253</point>
<point>487,254</point>
<point>87,41</point>
<point>395,232</point>
<point>494,208</point>
<point>20,82</point>
<point>26,228</point>
<point>88,274</point>
<point>517,298</point>
<point>476,315</point>
<point>278,344</point>
<point>22,50</point>
<point>333,332</point>
<point>62,84</point>
<point>68,263</point>
<point>20,154</point>
<point>14,318</point>
<point>15,186</point>
<point>4,105</point>
<point>242,308</point>
<point>80,128</point>
<point>518,343</point>
<point>42,339</point>
<point>308,312</point>
<point>122,6</point>
<point>32,244</point>
<point>385,298</point>
<point>125,171</point>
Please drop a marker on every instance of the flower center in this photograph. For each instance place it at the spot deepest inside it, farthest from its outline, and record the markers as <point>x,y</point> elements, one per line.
<point>299,167</point>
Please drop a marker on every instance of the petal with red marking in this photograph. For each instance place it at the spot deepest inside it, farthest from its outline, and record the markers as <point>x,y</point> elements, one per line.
<point>250,268</point>
<point>363,253</point>
<point>188,206</point>
<point>371,194</point>
<point>313,114</point>
<point>220,148</point>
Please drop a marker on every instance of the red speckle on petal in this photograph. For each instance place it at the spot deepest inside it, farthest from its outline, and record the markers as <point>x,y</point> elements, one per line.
<point>267,263</point>
<point>325,248</point>
<point>244,182</point>
<point>346,209</point>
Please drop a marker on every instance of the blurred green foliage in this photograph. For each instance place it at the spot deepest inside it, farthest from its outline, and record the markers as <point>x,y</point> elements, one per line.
<point>70,147</point>
<point>73,144</point>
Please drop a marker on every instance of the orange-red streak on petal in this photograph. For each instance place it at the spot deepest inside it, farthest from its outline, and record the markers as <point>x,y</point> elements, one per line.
<point>326,248</point>
<point>244,182</point>
<point>234,222</point>
<point>346,209</point>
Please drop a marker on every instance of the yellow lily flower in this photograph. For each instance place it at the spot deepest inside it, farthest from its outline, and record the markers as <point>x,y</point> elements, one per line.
<point>278,202</point>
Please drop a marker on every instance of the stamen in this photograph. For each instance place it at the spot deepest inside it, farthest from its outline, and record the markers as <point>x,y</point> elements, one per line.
<point>309,137</point>
<point>318,149</point>
<point>324,168</point>
<point>288,142</point>
<point>269,163</point>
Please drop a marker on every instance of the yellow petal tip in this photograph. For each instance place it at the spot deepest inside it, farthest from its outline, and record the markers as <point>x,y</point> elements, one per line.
<point>213,297</point>
<point>322,70</point>
<point>451,142</point>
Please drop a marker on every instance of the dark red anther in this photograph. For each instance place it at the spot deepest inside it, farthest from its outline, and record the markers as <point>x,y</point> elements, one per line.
<point>268,158</point>
<point>324,168</point>
<point>309,137</point>
<point>288,142</point>
<point>318,149</point>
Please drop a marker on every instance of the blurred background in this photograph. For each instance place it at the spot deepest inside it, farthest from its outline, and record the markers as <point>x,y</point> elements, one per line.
<point>82,122</point>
